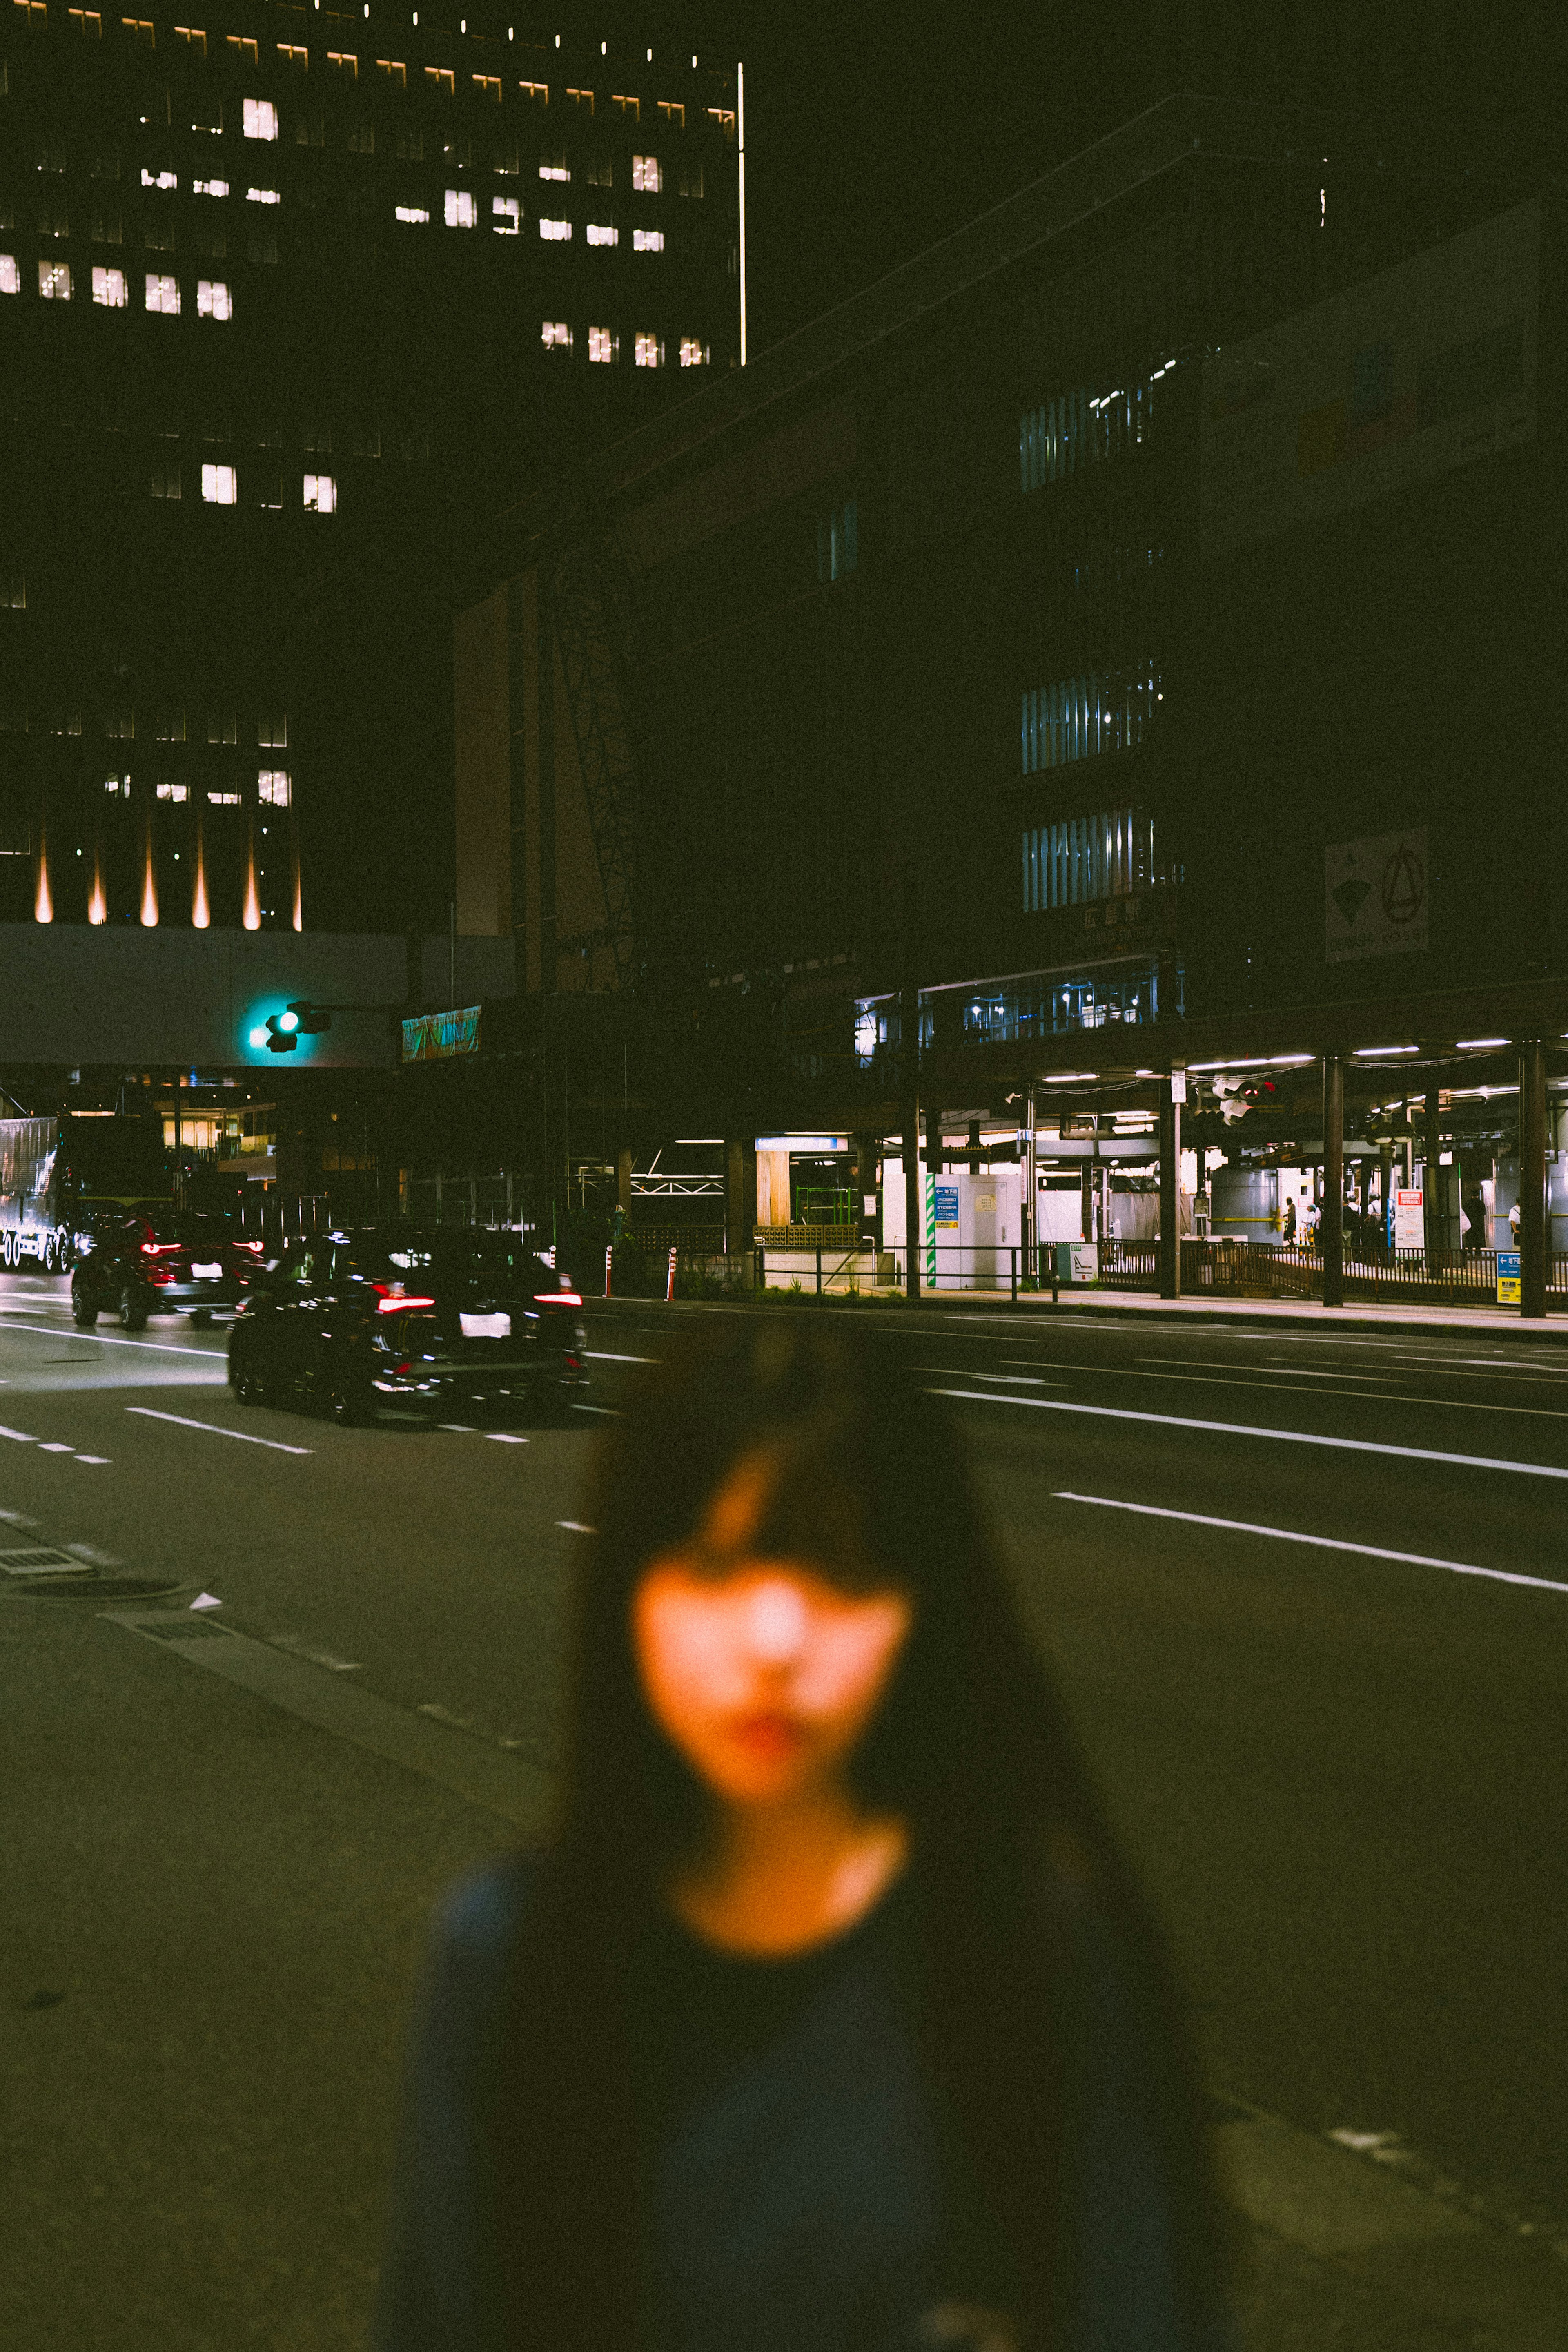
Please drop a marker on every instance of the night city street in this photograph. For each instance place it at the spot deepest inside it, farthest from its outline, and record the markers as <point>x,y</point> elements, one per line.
<point>1341,1772</point>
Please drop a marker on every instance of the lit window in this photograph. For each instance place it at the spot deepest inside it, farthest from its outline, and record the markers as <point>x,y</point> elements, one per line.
<point>600,345</point>
<point>553,166</point>
<point>109,289</point>
<point>218,485</point>
<point>192,38</point>
<point>674,113</point>
<point>536,92</point>
<point>442,79</point>
<point>645,176</point>
<point>488,85</point>
<point>163,294</point>
<point>224,800</point>
<point>10,276</point>
<point>342,62</point>
<point>649,350</point>
<point>647,240</point>
<point>506,214</point>
<point>159,179</point>
<point>320,494</point>
<point>556,231</point>
<point>119,785</point>
<point>214,299</point>
<point>296,59</point>
<point>272,734</point>
<point>167,792</point>
<point>272,787</point>
<point>209,187</point>
<point>413,213</point>
<point>1097,711</point>
<point>394,70</point>
<point>581,98</point>
<point>242,47</point>
<point>263,196</point>
<point>556,335</point>
<point>138,28</point>
<point>725,118</point>
<point>693,352</point>
<point>55,281</point>
<point>599,233</point>
<point>630,107</point>
<point>169,727</point>
<point>260,118</point>
<point>88,21</point>
<point>461,210</point>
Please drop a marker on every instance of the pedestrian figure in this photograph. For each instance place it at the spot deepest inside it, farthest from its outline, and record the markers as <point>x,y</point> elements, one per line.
<point>826,2016</point>
<point>1288,1223</point>
<point>1513,1227</point>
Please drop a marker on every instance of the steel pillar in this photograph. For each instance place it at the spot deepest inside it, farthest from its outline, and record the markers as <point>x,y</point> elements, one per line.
<point>1533,1178</point>
<point>1331,1227</point>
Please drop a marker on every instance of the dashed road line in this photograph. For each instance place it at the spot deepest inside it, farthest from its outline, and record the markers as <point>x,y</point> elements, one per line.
<point>110,1338</point>
<point>605,1356</point>
<point>214,1429</point>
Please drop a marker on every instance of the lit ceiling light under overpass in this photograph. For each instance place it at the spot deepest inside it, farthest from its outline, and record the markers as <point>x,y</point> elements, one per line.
<point>1365,1053</point>
<point>1471,1044</point>
<point>1066,1078</point>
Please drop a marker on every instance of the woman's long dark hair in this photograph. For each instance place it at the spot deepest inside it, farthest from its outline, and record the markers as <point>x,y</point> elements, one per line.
<point>970,1746</point>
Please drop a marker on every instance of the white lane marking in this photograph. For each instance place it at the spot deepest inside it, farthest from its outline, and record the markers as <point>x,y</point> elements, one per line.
<point>98,1461</point>
<point>1245,1429</point>
<point>213,1429</point>
<point>110,1339</point>
<point>1277,1386</point>
<point>55,1446</point>
<point>607,1411</point>
<point>22,1436</point>
<point>458,1428</point>
<point>1320,1543</point>
<point>504,1437</point>
<point>1009,1379</point>
<point>575,1528</point>
<point>1297,1371</point>
<point>604,1356</point>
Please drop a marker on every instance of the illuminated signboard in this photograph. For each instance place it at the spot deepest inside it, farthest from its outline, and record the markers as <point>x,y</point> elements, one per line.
<point>437,1036</point>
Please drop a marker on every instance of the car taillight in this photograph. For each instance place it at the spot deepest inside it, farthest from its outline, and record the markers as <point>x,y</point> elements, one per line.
<point>160,1249</point>
<point>258,1246</point>
<point>557,1298</point>
<point>397,1306</point>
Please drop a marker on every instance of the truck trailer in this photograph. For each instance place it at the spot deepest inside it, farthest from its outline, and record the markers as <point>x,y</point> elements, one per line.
<point>58,1176</point>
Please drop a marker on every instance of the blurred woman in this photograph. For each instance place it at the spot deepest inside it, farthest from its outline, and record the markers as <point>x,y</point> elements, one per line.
<point>826,2018</point>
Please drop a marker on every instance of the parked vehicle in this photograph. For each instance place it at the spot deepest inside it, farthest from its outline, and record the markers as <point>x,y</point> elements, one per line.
<point>161,1261</point>
<point>376,1317</point>
<point>58,1175</point>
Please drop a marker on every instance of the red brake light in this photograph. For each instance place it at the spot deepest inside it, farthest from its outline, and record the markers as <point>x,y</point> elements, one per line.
<point>397,1306</point>
<point>557,1298</point>
<point>258,1246</point>
<point>158,1249</point>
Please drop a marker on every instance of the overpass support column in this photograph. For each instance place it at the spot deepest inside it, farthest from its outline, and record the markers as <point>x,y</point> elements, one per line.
<point>1431,1186</point>
<point>739,1193</point>
<point>1171,1094</point>
<point>1331,1228</point>
<point>1533,1178</point>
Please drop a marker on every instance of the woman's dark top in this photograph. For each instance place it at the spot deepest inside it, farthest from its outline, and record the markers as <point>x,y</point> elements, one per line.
<point>802,2196</point>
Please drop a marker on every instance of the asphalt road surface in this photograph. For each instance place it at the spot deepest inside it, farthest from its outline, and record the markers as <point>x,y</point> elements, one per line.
<point>1306,1597</point>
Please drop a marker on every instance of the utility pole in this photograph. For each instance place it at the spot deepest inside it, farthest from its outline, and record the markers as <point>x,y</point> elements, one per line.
<point>1330,1230</point>
<point>1173,1094</point>
<point>1533,1178</point>
<point>909,1073</point>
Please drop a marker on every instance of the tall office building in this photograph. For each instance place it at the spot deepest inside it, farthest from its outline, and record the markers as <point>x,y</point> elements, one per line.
<point>289,299</point>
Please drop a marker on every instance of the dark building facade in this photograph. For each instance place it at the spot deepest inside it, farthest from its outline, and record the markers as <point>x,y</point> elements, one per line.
<point>1124,639</point>
<point>289,299</point>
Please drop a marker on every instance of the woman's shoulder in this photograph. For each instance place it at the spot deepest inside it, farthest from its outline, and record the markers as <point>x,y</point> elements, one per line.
<point>477,1916</point>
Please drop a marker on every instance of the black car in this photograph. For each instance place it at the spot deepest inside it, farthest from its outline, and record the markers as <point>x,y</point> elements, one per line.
<point>162,1261</point>
<point>392,1316</point>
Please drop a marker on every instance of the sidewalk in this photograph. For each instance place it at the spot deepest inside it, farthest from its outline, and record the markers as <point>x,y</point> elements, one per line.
<point>1263,1313</point>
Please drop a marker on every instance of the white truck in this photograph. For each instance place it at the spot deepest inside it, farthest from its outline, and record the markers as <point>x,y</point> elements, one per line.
<point>59,1176</point>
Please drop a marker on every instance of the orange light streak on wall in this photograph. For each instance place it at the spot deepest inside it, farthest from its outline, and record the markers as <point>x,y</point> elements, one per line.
<point>98,904</point>
<point>149,885</point>
<point>43,903</point>
<point>201,913</point>
<point>299,914</point>
<point>252,917</point>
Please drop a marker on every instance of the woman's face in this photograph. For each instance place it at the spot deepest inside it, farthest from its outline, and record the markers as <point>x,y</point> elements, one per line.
<point>762,1673</point>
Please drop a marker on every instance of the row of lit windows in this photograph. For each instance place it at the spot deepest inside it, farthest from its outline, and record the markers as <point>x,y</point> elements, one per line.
<point>604,346</point>
<point>648,177</point>
<point>1077,427</point>
<point>220,487</point>
<point>163,727</point>
<point>273,790</point>
<point>214,298</point>
<point>1078,718</point>
<point>1081,858</point>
